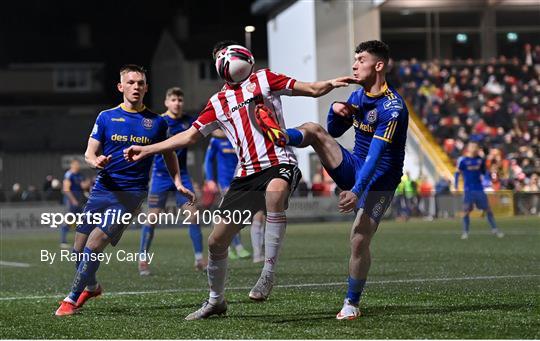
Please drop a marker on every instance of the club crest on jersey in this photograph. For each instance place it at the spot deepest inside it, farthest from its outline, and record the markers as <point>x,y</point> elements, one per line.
<point>251,87</point>
<point>147,123</point>
<point>372,116</point>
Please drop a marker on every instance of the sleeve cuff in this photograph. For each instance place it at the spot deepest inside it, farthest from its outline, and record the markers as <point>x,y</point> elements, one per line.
<point>382,138</point>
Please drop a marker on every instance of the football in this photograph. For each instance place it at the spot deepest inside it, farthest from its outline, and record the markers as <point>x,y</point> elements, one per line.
<point>234,64</point>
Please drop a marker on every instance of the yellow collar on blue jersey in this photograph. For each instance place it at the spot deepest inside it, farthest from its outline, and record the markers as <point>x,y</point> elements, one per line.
<point>383,89</point>
<point>131,110</point>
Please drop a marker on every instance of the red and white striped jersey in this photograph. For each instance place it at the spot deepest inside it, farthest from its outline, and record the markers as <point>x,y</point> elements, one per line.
<point>233,110</point>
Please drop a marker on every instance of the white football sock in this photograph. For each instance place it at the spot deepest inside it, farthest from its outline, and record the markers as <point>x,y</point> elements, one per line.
<point>257,237</point>
<point>217,273</point>
<point>276,223</point>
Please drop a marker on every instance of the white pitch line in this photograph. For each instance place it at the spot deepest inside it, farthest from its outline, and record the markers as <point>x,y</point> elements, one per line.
<point>15,264</point>
<point>313,285</point>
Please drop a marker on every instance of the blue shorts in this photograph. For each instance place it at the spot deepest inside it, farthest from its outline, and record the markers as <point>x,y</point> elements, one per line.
<point>379,192</point>
<point>122,202</point>
<point>475,198</point>
<point>160,187</point>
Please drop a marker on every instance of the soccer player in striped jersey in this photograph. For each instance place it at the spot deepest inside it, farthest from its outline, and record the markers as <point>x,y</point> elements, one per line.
<point>161,184</point>
<point>473,169</point>
<point>370,174</point>
<point>266,176</point>
<point>221,153</point>
<point>120,186</point>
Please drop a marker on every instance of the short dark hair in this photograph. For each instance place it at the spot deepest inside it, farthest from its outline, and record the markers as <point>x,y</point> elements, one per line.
<point>221,45</point>
<point>175,91</point>
<point>376,48</point>
<point>132,68</point>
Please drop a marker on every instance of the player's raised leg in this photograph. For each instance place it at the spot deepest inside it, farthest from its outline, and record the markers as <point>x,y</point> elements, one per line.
<point>308,134</point>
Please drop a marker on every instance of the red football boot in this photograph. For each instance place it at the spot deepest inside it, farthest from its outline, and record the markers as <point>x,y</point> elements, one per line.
<point>87,294</point>
<point>270,126</point>
<point>66,308</point>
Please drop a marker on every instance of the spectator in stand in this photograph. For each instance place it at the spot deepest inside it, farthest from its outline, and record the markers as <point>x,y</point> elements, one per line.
<point>495,103</point>
<point>443,198</point>
<point>425,193</point>
<point>55,193</point>
<point>16,193</point>
<point>31,194</point>
<point>302,190</point>
<point>318,187</point>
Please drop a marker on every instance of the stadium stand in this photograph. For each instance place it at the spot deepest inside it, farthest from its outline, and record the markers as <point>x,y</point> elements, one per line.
<point>495,103</point>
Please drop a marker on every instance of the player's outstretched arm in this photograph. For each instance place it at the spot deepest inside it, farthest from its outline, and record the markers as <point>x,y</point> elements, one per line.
<point>171,161</point>
<point>93,156</point>
<point>178,141</point>
<point>321,88</point>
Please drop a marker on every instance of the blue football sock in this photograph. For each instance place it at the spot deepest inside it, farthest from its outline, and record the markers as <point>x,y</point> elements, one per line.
<point>295,136</point>
<point>86,274</point>
<point>236,240</point>
<point>356,286</point>
<point>63,233</point>
<point>147,235</point>
<point>77,262</point>
<point>491,220</point>
<point>466,223</point>
<point>196,238</point>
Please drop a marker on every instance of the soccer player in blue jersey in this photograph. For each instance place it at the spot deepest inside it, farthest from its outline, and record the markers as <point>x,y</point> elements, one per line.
<point>72,187</point>
<point>370,174</point>
<point>221,153</point>
<point>473,169</point>
<point>120,186</point>
<point>161,183</point>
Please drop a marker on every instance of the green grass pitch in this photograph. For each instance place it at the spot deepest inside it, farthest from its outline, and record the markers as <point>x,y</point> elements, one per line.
<point>424,283</point>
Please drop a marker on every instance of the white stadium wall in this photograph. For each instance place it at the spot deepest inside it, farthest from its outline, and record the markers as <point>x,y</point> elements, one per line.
<point>292,51</point>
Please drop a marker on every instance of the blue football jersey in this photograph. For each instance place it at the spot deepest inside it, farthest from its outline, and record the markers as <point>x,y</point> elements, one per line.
<point>117,129</point>
<point>473,169</point>
<point>175,126</point>
<point>223,153</point>
<point>75,181</point>
<point>383,116</point>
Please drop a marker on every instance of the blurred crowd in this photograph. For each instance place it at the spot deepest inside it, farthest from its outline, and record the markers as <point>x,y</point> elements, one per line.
<point>495,103</point>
